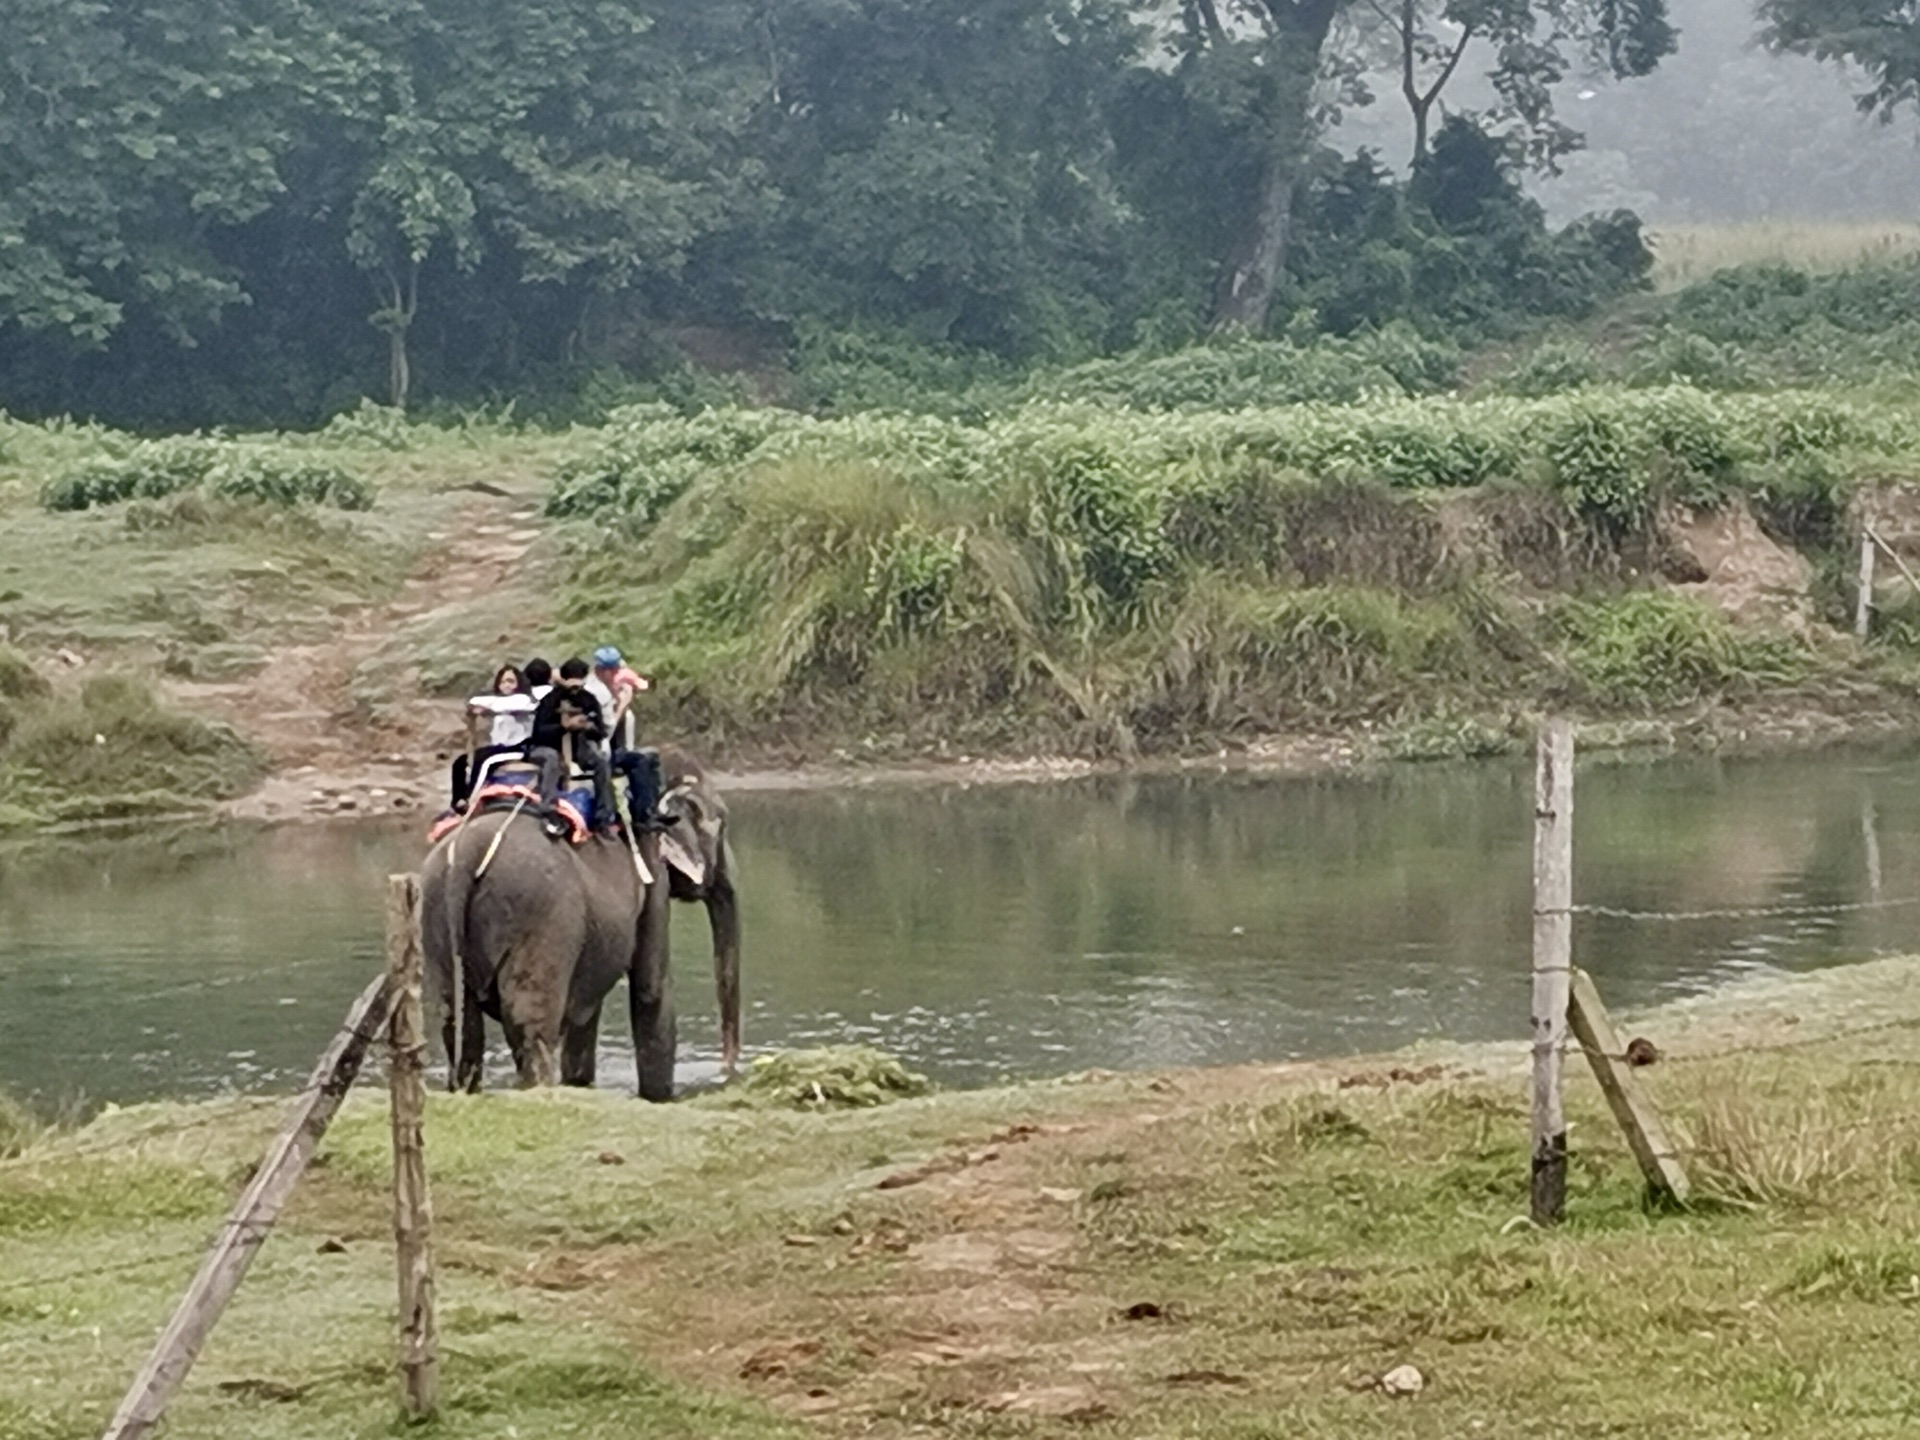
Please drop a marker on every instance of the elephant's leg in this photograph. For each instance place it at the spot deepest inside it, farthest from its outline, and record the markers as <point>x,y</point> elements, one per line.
<point>650,995</point>
<point>579,1043</point>
<point>473,1046</point>
<point>723,915</point>
<point>536,1054</point>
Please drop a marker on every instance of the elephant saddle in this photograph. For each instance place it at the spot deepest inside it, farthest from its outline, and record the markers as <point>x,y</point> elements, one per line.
<point>569,817</point>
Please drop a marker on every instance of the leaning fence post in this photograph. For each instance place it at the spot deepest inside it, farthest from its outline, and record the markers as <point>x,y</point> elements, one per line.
<point>251,1219</point>
<point>1639,1121</point>
<point>412,1206</point>
<point>1552,962</point>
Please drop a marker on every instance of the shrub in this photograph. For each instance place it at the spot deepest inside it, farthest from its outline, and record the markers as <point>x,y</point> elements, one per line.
<point>1551,368</point>
<point>18,679</point>
<point>1245,374</point>
<point>1653,648</point>
<point>118,750</point>
<point>154,469</point>
<point>19,1127</point>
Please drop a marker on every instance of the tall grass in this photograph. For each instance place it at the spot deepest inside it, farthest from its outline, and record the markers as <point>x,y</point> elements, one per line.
<point>111,749</point>
<point>1684,254</point>
<point>1114,581</point>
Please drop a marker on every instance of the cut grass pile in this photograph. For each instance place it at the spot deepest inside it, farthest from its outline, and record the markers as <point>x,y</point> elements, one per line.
<point>1229,1253</point>
<point>846,1077</point>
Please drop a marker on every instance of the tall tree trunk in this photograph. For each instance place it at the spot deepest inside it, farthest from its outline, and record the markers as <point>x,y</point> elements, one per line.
<point>399,375</point>
<point>1296,34</point>
<point>405,305</point>
<point>1246,287</point>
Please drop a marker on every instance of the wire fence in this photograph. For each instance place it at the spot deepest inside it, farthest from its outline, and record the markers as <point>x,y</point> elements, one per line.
<point>1749,912</point>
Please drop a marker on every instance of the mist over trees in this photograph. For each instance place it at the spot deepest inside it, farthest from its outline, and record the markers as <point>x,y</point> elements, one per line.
<point>258,211</point>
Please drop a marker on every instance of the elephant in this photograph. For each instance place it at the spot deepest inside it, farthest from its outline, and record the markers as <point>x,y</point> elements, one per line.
<point>544,930</point>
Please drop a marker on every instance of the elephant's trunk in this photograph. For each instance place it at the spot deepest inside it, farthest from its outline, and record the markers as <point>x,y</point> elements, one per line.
<point>723,914</point>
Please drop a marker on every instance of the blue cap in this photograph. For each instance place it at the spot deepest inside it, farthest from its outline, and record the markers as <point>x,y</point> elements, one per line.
<point>606,655</point>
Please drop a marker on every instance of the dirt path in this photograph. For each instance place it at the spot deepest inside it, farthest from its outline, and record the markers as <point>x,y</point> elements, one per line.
<point>330,751</point>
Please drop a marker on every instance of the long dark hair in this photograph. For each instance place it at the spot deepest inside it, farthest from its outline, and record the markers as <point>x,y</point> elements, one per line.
<point>519,680</point>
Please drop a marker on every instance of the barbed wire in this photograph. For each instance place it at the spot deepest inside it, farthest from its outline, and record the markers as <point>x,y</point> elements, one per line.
<point>68,1277</point>
<point>167,1128</point>
<point>1757,1048</point>
<point>1750,912</point>
<point>218,982</point>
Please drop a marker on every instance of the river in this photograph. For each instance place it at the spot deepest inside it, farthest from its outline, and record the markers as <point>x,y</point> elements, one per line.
<point>998,932</point>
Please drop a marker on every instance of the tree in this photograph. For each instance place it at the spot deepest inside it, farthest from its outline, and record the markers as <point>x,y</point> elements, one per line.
<point>127,135</point>
<point>565,135</point>
<point>1272,72</point>
<point>942,170</point>
<point>1882,37</point>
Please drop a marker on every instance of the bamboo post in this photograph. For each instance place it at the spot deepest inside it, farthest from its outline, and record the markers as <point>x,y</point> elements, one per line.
<point>1552,960</point>
<point>412,1205</point>
<point>1639,1121</point>
<point>251,1219</point>
<point>1863,604</point>
<point>1870,835</point>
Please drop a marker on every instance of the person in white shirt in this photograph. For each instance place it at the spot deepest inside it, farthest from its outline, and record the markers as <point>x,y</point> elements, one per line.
<point>511,706</point>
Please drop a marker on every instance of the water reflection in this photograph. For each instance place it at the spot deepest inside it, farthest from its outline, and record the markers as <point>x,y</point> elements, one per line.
<point>1117,922</point>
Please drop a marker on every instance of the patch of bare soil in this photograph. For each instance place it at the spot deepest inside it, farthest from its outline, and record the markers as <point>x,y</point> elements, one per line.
<point>956,1285</point>
<point>1724,559</point>
<point>328,756</point>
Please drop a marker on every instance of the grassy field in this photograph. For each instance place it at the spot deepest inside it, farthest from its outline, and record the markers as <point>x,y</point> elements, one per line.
<point>1212,1253</point>
<point>1684,254</point>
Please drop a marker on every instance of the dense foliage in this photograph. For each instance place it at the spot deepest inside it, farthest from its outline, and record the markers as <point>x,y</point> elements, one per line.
<point>259,211</point>
<point>1099,576</point>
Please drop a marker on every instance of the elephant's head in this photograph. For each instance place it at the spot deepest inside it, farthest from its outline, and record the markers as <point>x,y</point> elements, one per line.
<point>696,820</point>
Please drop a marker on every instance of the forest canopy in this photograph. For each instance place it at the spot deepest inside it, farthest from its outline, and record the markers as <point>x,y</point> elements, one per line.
<point>258,211</point>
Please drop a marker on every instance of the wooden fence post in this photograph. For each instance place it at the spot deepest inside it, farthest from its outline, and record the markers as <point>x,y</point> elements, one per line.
<point>1552,962</point>
<point>412,1206</point>
<point>1638,1120</point>
<point>1863,603</point>
<point>252,1218</point>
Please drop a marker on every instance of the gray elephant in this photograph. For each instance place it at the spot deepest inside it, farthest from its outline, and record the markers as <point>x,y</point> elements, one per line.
<point>545,930</point>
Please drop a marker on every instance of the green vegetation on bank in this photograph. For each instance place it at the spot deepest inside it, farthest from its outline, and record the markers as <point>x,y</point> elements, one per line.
<point>1105,579</point>
<point>1234,1253</point>
<point>111,749</point>
<point>1163,552</point>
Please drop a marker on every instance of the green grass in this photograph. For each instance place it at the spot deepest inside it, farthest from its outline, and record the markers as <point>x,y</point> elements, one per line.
<point>1279,1236</point>
<point>108,748</point>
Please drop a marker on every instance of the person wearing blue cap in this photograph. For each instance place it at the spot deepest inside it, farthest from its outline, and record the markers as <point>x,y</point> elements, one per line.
<point>641,766</point>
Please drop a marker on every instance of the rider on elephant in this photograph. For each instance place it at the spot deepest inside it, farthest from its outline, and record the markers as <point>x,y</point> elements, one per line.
<point>622,685</point>
<point>570,712</point>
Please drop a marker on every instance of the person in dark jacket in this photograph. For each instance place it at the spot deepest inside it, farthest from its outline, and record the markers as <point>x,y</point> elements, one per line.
<point>570,712</point>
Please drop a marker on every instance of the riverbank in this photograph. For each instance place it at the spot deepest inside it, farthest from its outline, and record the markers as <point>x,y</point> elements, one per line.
<point>1233,1252</point>
<point>1052,590</point>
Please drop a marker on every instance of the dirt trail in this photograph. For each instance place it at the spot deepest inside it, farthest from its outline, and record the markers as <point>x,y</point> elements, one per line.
<point>329,751</point>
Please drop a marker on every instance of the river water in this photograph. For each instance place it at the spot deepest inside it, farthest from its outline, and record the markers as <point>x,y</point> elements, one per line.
<point>1008,931</point>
